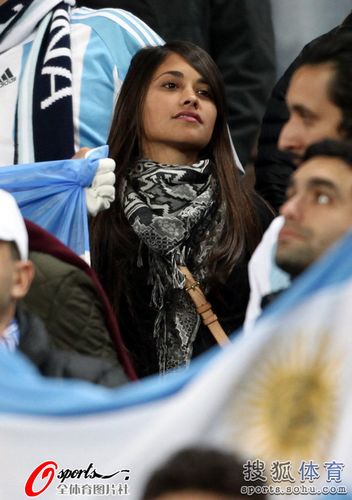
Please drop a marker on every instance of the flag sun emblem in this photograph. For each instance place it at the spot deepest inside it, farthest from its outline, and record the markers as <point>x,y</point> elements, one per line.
<point>287,409</point>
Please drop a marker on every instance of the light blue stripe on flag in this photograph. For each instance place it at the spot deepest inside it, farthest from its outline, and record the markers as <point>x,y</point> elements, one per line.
<point>51,194</point>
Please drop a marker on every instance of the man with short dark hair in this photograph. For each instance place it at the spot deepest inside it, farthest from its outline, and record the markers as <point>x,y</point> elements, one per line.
<point>333,52</point>
<point>319,97</point>
<point>316,214</point>
<point>318,209</point>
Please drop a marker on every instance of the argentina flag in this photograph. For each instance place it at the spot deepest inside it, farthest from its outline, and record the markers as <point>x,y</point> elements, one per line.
<point>279,396</point>
<point>52,195</point>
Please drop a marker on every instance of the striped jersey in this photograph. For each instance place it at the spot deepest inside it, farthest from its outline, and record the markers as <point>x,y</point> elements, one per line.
<point>10,338</point>
<point>102,45</point>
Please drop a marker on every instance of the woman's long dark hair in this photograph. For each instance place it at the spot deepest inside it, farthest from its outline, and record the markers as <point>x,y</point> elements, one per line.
<point>114,245</point>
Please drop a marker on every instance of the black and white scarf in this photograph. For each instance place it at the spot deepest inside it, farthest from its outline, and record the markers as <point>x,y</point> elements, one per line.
<point>172,210</point>
<point>44,119</point>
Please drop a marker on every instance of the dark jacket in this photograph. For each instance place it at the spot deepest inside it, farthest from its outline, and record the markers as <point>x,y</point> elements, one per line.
<point>238,34</point>
<point>273,168</point>
<point>69,299</point>
<point>35,345</point>
<point>229,302</point>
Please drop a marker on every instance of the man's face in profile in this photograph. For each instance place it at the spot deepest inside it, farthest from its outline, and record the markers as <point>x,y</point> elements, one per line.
<point>313,116</point>
<point>7,276</point>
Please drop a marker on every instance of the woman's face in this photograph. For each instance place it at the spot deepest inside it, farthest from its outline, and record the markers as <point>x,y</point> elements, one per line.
<point>178,115</point>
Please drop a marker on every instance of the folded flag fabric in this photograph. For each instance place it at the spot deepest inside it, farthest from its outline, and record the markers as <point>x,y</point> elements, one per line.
<point>51,194</point>
<point>279,397</point>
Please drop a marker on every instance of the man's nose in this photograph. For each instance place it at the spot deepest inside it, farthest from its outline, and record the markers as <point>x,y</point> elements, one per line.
<point>291,137</point>
<point>291,209</point>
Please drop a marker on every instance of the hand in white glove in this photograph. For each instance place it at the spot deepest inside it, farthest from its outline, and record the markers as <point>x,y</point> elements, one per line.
<point>101,193</point>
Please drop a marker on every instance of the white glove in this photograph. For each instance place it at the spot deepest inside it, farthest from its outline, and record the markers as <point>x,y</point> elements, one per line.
<point>101,193</point>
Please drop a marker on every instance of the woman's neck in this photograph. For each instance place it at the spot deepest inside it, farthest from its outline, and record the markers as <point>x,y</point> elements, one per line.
<point>170,156</point>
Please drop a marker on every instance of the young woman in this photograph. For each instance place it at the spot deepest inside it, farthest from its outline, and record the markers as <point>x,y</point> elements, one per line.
<point>179,201</point>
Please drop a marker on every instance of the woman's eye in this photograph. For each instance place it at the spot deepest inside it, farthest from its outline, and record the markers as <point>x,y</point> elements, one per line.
<point>323,199</point>
<point>169,85</point>
<point>204,92</point>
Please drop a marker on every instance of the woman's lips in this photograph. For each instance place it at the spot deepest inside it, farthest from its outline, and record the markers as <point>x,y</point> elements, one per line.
<point>189,117</point>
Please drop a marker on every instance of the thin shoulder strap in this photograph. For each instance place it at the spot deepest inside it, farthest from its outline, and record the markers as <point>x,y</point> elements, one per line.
<point>204,308</point>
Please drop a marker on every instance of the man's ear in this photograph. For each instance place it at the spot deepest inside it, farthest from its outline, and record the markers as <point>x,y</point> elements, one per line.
<point>23,278</point>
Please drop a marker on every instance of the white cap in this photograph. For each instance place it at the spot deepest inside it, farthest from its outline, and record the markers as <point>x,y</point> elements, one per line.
<point>12,226</point>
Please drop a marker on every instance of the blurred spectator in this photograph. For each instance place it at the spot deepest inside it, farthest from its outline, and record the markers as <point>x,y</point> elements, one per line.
<point>64,283</point>
<point>273,167</point>
<point>200,474</point>
<point>317,213</point>
<point>318,209</point>
<point>19,328</point>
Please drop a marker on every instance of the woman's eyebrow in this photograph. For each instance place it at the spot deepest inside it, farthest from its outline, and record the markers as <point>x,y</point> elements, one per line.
<point>177,74</point>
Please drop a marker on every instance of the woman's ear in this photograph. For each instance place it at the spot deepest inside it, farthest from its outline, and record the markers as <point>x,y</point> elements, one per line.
<point>22,280</point>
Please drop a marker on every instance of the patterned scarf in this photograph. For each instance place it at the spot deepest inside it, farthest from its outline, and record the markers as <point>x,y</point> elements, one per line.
<point>44,120</point>
<point>172,210</point>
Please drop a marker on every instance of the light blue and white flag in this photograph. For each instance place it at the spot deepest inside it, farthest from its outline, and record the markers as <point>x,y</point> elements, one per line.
<point>51,194</point>
<point>280,397</point>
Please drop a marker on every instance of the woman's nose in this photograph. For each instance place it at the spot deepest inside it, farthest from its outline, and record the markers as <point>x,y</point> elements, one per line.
<point>190,98</point>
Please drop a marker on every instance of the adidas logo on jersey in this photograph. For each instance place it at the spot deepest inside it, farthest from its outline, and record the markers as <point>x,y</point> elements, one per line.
<point>7,78</point>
